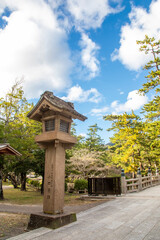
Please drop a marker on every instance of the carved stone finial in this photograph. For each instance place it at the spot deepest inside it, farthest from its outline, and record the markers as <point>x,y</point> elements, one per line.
<point>47,94</point>
<point>139,171</point>
<point>122,173</point>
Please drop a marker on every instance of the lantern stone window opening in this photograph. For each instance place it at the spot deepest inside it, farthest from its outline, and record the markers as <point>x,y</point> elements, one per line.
<point>58,123</point>
<point>49,125</point>
<point>56,116</point>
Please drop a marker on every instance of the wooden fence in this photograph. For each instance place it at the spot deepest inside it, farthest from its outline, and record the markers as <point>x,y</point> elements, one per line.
<point>140,183</point>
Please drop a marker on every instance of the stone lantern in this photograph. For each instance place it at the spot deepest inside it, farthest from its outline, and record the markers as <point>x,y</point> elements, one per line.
<point>56,116</point>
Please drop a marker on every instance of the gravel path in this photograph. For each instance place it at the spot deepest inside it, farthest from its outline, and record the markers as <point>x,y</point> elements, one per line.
<point>28,209</point>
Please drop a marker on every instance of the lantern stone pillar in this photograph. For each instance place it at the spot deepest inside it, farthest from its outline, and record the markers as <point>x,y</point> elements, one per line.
<point>56,116</point>
<point>53,201</point>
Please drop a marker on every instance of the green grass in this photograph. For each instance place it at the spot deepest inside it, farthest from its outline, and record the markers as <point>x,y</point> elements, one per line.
<point>15,196</point>
<point>6,183</point>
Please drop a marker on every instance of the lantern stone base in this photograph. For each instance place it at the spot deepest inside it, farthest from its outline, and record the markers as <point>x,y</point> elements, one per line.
<point>50,221</point>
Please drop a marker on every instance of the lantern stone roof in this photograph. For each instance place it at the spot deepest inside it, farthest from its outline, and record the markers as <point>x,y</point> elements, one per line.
<point>5,148</point>
<point>49,101</point>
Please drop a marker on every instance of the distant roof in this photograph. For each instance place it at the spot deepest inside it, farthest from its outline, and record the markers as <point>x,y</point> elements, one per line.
<point>58,103</point>
<point>5,148</point>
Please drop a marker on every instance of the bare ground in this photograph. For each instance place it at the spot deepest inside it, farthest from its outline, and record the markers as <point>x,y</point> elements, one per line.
<point>12,224</point>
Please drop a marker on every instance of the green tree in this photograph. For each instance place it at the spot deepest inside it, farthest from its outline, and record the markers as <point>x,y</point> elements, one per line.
<point>69,168</point>
<point>93,141</point>
<point>126,140</point>
<point>19,131</point>
<point>151,110</point>
<point>39,164</point>
<point>85,158</point>
<point>21,137</point>
<point>136,141</point>
<point>152,47</point>
<point>87,163</point>
<point>150,144</point>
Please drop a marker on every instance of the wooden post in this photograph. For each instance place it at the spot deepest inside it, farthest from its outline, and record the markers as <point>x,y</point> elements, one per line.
<point>150,175</point>
<point>123,182</point>
<point>157,174</point>
<point>139,176</point>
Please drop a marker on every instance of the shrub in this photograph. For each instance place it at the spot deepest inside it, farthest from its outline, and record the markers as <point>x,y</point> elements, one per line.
<point>80,184</point>
<point>34,183</point>
<point>65,186</point>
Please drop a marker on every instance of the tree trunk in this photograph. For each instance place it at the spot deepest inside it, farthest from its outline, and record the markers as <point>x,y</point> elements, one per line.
<point>5,178</point>
<point>23,181</point>
<point>13,180</point>
<point>1,189</point>
<point>42,186</point>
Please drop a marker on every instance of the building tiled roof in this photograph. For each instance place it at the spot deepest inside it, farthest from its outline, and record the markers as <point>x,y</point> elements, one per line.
<point>59,103</point>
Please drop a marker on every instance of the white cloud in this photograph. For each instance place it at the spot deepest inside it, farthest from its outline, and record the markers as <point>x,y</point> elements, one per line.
<point>134,102</point>
<point>120,91</point>
<point>33,42</point>
<point>141,23</point>
<point>33,45</point>
<point>90,14</point>
<point>99,111</point>
<point>83,134</point>
<point>77,94</point>
<point>84,16</point>
<point>88,55</point>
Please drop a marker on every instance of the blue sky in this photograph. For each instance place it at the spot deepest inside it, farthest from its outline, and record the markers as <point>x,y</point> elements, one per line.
<point>84,51</point>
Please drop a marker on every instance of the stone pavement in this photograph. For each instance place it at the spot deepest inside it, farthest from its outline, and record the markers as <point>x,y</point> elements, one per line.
<point>135,216</point>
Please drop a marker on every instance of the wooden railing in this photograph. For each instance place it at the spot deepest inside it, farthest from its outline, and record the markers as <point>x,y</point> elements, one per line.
<point>132,185</point>
<point>140,183</point>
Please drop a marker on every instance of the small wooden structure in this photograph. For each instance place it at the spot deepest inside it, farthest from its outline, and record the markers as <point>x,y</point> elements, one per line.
<point>56,117</point>
<point>105,186</point>
<point>5,148</point>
